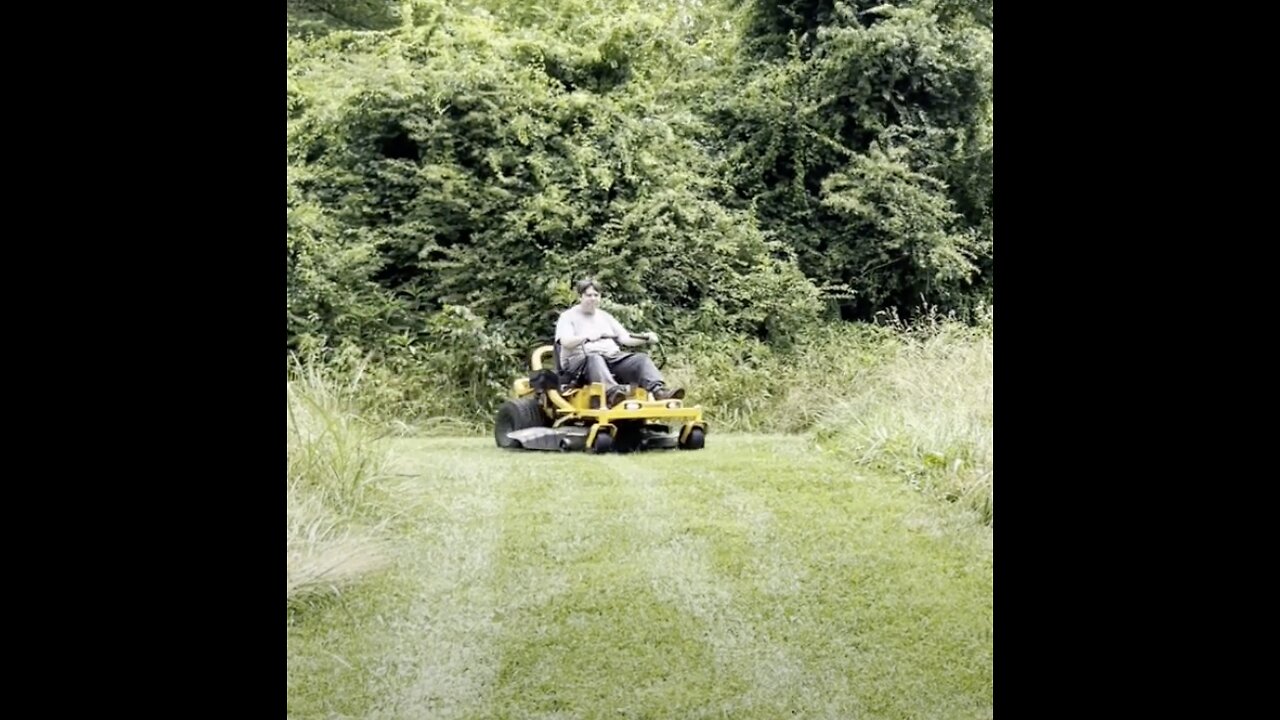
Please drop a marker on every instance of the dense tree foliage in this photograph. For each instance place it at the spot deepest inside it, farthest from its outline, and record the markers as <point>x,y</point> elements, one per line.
<point>723,166</point>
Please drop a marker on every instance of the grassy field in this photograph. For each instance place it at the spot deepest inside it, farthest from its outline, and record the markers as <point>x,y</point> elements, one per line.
<point>760,578</point>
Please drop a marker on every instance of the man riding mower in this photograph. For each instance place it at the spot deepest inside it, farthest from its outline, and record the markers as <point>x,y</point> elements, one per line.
<point>582,404</point>
<point>548,414</point>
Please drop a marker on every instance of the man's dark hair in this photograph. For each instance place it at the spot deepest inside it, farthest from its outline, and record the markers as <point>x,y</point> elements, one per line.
<point>587,283</point>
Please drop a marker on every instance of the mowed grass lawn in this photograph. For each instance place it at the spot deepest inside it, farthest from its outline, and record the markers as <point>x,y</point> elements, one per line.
<point>759,578</point>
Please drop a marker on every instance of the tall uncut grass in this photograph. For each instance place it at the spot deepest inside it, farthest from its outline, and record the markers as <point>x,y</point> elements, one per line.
<point>915,399</point>
<point>927,414</point>
<point>335,489</point>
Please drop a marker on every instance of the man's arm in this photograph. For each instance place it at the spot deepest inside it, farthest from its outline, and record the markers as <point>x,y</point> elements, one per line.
<point>626,339</point>
<point>565,336</point>
<point>634,340</point>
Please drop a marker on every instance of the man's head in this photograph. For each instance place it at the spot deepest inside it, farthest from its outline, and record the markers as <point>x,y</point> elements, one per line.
<point>588,294</point>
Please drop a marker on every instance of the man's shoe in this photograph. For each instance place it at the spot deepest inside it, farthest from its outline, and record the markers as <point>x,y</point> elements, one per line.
<point>665,393</point>
<point>617,394</point>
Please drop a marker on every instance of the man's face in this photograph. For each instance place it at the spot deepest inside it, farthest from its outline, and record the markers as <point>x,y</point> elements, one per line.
<point>590,300</point>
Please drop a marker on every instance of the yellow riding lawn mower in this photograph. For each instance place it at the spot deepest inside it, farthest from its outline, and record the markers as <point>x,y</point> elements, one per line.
<point>545,413</point>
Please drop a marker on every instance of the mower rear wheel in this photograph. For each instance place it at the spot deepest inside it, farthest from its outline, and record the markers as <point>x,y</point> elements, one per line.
<point>517,415</point>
